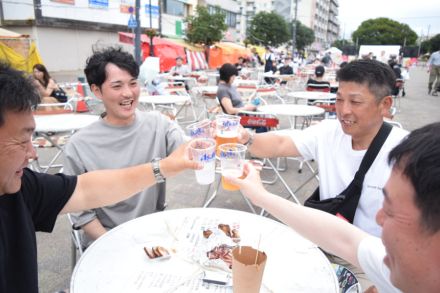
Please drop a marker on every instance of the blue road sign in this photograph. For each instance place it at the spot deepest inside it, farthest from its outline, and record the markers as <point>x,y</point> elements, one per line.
<point>132,22</point>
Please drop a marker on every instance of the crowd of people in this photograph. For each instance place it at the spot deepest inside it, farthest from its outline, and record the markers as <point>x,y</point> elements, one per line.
<point>391,243</point>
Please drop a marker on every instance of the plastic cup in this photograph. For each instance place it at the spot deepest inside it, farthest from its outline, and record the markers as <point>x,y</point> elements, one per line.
<point>247,269</point>
<point>199,129</point>
<point>226,129</point>
<point>203,151</point>
<point>232,157</point>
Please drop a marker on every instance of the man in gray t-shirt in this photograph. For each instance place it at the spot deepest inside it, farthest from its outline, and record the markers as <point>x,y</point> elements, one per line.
<point>122,137</point>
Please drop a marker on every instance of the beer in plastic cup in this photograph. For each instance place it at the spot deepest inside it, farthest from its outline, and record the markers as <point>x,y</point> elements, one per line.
<point>247,269</point>
<point>199,129</point>
<point>232,157</point>
<point>226,129</point>
<point>203,151</point>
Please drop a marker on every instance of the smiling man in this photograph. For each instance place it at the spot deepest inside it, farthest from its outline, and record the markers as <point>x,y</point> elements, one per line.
<point>122,137</point>
<point>31,201</point>
<point>408,255</point>
<point>363,99</point>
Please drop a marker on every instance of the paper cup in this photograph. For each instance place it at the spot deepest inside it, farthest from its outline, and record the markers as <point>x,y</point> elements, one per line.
<point>247,269</point>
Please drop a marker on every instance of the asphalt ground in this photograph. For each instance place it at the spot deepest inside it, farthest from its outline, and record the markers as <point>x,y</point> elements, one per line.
<point>416,109</point>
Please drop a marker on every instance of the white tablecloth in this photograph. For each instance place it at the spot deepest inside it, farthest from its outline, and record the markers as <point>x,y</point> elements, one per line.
<point>309,95</point>
<point>63,122</point>
<point>163,99</point>
<point>116,262</point>
<point>291,110</point>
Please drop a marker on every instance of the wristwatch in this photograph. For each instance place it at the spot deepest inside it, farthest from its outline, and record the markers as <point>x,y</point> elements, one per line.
<point>156,170</point>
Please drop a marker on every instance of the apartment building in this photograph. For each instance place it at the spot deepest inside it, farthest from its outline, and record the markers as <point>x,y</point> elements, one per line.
<point>65,31</point>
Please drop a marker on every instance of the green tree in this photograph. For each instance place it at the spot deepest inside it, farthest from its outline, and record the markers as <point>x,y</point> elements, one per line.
<point>340,44</point>
<point>268,29</point>
<point>304,35</point>
<point>205,28</point>
<point>384,31</point>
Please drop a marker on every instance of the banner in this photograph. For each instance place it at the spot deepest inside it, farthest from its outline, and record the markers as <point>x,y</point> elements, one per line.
<point>103,4</point>
<point>125,6</point>
<point>71,2</point>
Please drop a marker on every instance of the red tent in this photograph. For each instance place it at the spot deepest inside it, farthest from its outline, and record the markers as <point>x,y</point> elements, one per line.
<point>167,51</point>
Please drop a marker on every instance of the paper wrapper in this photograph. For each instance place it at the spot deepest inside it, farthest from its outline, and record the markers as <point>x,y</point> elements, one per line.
<point>247,274</point>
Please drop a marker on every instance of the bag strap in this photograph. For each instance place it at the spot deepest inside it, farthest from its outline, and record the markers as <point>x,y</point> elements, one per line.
<point>372,152</point>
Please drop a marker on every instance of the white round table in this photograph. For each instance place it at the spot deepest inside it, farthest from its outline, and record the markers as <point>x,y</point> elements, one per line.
<point>116,262</point>
<point>309,95</point>
<point>210,89</point>
<point>63,122</point>
<point>163,99</point>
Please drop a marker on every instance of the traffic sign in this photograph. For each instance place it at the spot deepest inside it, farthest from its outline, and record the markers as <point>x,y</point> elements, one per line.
<point>132,22</point>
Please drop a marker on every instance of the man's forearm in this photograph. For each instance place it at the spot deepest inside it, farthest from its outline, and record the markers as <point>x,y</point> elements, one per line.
<point>327,231</point>
<point>94,229</point>
<point>267,145</point>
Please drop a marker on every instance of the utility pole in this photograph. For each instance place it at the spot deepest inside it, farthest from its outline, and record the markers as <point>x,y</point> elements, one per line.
<point>151,28</point>
<point>295,14</point>
<point>137,34</point>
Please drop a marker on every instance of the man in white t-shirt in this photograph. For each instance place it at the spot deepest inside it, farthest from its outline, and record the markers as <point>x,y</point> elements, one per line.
<point>363,99</point>
<point>407,256</point>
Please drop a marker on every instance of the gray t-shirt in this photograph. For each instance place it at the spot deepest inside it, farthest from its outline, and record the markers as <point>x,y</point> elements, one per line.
<point>226,91</point>
<point>103,146</point>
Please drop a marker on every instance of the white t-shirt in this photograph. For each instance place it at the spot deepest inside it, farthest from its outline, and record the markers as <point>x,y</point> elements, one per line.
<point>327,144</point>
<point>370,256</point>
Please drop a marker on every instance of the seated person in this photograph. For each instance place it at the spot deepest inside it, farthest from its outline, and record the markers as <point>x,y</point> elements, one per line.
<point>180,69</point>
<point>46,86</point>
<point>227,94</point>
<point>405,255</point>
<point>31,201</point>
<point>319,77</point>
<point>123,137</point>
<point>286,69</point>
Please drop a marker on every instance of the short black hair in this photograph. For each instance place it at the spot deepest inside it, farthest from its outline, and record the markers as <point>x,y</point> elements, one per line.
<point>418,157</point>
<point>319,71</point>
<point>226,71</point>
<point>17,91</point>
<point>95,65</point>
<point>377,76</point>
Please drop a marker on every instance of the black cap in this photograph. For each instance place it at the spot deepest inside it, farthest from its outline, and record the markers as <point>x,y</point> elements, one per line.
<point>319,70</point>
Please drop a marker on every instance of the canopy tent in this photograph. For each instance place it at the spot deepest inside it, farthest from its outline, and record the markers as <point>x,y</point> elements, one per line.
<point>168,50</point>
<point>18,50</point>
<point>335,54</point>
<point>164,49</point>
<point>195,55</point>
<point>225,52</point>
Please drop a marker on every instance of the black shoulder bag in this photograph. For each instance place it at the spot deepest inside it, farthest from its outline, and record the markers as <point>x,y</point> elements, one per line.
<point>346,202</point>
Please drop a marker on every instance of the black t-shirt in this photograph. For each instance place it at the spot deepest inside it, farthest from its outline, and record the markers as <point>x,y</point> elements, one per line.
<point>34,208</point>
<point>286,69</point>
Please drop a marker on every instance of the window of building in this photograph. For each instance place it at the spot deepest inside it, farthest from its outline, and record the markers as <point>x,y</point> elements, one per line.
<point>230,19</point>
<point>174,7</point>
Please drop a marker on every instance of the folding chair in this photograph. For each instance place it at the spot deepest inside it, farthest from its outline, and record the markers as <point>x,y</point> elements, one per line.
<point>397,92</point>
<point>270,95</point>
<point>42,139</point>
<point>76,248</point>
<point>178,88</point>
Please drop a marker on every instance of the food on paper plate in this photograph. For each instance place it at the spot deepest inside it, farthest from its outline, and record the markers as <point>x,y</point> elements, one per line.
<point>156,252</point>
<point>225,228</point>
<point>223,252</point>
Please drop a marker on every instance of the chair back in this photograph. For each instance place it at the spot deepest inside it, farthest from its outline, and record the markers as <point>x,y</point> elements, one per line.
<point>316,87</point>
<point>269,93</point>
<point>176,88</point>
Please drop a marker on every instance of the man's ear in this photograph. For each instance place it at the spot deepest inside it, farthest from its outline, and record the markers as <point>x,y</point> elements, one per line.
<point>386,104</point>
<point>96,91</point>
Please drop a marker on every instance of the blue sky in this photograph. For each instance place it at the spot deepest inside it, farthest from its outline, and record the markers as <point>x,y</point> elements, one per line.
<point>421,16</point>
